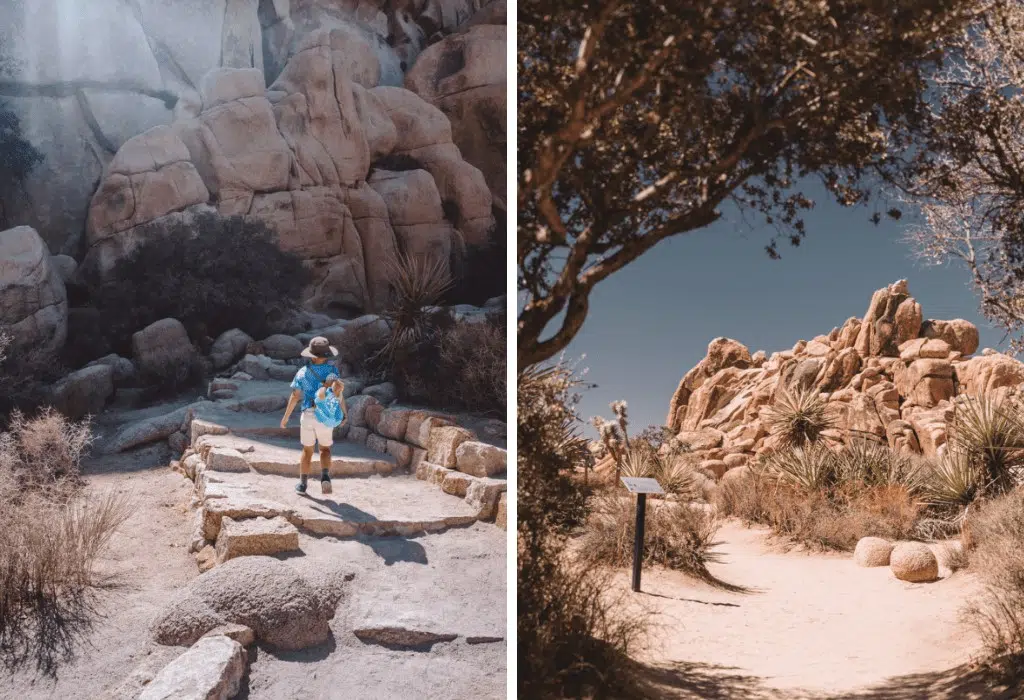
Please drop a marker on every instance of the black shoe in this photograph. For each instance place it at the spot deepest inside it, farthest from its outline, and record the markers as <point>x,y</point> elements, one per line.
<point>301,487</point>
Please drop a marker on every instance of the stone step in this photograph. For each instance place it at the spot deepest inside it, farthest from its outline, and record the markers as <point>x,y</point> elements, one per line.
<point>379,506</point>
<point>212,668</point>
<point>269,455</point>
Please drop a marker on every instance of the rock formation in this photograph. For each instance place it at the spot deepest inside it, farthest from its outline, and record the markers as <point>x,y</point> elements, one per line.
<point>892,374</point>
<point>288,111</point>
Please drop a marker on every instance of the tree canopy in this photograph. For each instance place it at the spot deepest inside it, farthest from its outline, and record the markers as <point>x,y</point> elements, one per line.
<point>638,121</point>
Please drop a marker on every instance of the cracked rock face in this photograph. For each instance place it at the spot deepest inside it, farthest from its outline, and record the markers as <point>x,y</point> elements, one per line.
<point>284,606</point>
<point>889,375</point>
<point>126,67</point>
<point>33,302</point>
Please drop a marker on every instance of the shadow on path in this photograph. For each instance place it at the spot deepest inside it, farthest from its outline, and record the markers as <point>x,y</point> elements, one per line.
<point>692,600</point>
<point>343,511</point>
<point>684,680</point>
<point>397,549</point>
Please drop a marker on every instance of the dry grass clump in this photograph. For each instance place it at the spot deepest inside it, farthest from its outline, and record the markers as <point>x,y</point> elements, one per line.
<point>790,495</point>
<point>576,638</point>
<point>677,536</point>
<point>50,537</point>
<point>42,454</point>
<point>996,553</point>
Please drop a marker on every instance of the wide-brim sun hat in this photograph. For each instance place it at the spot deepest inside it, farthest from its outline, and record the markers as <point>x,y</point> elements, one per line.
<point>319,347</point>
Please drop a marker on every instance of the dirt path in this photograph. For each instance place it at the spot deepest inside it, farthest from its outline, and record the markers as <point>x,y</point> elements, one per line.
<point>451,582</point>
<point>813,626</point>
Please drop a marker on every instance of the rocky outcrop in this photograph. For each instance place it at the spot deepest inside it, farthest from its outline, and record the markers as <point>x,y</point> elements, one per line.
<point>144,63</point>
<point>464,76</point>
<point>300,157</point>
<point>889,376</point>
<point>33,301</point>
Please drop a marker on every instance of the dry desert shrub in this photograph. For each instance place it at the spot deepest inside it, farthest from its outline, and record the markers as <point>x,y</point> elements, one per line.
<point>51,535</point>
<point>44,453</point>
<point>829,518</point>
<point>677,536</point>
<point>576,636</point>
<point>996,552</point>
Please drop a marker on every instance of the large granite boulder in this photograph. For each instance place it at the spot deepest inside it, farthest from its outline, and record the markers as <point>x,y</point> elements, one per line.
<point>33,301</point>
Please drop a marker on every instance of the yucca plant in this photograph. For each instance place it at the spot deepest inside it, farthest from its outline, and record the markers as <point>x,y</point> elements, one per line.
<point>799,418</point>
<point>811,467</point>
<point>417,282</point>
<point>869,463</point>
<point>954,482</point>
<point>990,432</point>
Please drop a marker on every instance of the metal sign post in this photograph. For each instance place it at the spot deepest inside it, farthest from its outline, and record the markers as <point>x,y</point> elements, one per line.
<point>641,487</point>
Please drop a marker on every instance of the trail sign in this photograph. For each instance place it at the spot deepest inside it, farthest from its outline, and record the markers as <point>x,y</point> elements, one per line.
<point>641,487</point>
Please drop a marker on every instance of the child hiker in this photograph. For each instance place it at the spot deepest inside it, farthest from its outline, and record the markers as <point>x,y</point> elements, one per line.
<point>320,390</point>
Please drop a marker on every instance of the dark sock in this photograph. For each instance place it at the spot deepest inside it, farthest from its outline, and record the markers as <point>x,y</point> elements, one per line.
<point>304,478</point>
<point>325,475</point>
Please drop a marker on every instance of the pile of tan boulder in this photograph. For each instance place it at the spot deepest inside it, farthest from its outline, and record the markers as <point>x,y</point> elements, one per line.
<point>892,374</point>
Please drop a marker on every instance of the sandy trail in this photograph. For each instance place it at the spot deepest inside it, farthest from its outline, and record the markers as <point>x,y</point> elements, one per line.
<point>813,626</point>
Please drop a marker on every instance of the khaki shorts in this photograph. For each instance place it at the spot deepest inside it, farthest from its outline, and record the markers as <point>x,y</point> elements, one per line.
<point>312,431</point>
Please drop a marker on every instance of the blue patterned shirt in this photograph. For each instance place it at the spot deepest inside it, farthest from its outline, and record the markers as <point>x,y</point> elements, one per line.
<point>309,379</point>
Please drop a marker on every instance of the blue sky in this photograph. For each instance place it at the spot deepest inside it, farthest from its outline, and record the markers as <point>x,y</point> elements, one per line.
<point>652,321</point>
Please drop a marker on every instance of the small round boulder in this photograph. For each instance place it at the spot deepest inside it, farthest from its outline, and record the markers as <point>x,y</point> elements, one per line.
<point>872,551</point>
<point>914,562</point>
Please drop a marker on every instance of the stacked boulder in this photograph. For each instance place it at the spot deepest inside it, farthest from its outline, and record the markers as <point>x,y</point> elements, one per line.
<point>347,171</point>
<point>891,374</point>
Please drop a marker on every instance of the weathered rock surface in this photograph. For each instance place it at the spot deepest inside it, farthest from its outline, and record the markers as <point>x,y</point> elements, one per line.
<point>480,459</point>
<point>84,392</point>
<point>872,551</point>
<point>162,347</point>
<point>33,302</point>
<point>211,670</point>
<point>281,607</point>
<point>914,562</point>
<point>255,536</point>
<point>149,69</point>
<point>889,375</point>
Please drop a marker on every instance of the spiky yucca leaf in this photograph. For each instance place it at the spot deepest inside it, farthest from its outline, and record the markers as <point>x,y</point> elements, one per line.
<point>799,417</point>
<point>677,475</point>
<point>417,282</point>
<point>990,431</point>
<point>638,464</point>
<point>872,464</point>
<point>811,467</point>
<point>953,481</point>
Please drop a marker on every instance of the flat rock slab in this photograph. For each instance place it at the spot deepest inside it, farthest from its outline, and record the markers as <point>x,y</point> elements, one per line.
<point>396,505</point>
<point>211,669</point>
<point>255,536</point>
<point>401,639</point>
<point>246,423</point>
<point>281,457</point>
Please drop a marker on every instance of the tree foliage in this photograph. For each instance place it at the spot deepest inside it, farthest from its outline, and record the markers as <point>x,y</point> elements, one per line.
<point>640,121</point>
<point>17,155</point>
<point>969,178</point>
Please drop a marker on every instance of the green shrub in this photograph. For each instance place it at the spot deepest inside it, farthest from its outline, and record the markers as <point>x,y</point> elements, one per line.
<point>212,275</point>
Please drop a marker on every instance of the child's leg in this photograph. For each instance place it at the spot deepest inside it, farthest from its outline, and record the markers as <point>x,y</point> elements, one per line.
<point>325,469</point>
